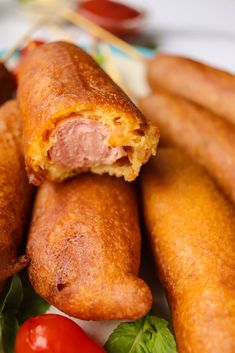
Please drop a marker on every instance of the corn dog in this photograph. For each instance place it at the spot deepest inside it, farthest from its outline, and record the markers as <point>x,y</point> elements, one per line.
<point>76,118</point>
<point>205,136</point>
<point>191,228</point>
<point>205,85</point>
<point>16,193</point>
<point>84,246</point>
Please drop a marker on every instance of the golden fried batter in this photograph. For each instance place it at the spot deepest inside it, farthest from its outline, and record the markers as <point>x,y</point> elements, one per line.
<point>84,246</point>
<point>206,137</point>
<point>15,192</point>
<point>203,84</point>
<point>191,228</point>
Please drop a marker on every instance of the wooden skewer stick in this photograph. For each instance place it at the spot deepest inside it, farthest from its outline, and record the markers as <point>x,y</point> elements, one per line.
<point>44,19</point>
<point>56,29</point>
<point>101,33</point>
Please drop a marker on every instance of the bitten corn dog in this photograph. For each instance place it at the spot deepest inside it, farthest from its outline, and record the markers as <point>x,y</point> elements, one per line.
<point>200,83</point>
<point>191,228</point>
<point>84,246</point>
<point>205,136</point>
<point>76,118</point>
<point>15,195</point>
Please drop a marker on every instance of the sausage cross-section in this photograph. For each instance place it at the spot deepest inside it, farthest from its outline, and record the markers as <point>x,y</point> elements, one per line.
<point>77,119</point>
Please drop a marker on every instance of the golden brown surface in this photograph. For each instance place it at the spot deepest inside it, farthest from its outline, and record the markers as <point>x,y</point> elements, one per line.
<point>58,80</point>
<point>15,195</point>
<point>210,87</point>
<point>205,136</point>
<point>191,228</point>
<point>84,246</point>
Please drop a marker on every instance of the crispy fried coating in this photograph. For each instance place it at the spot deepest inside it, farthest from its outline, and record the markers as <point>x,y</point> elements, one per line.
<point>84,246</point>
<point>59,81</point>
<point>15,191</point>
<point>205,85</point>
<point>191,228</point>
<point>208,138</point>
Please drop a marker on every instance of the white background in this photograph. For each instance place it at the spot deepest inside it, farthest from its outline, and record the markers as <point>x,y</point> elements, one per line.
<point>204,29</point>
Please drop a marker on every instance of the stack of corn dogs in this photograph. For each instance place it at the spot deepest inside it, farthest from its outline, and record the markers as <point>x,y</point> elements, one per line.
<point>83,141</point>
<point>189,197</point>
<point>84,238</point>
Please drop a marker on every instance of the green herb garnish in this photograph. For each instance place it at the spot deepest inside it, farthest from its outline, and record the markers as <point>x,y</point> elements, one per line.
<point>18,304</point>
<point>147,335</point>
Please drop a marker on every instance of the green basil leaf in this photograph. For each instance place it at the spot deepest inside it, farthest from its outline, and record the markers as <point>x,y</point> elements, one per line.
<point>13,297</point>
<point>18,304</point>
<point>159,336</point>
<point>32,304</point>
<point>127,337</point>
<point>8,315</point>
<point>147,335</point>
<point>10,327</point>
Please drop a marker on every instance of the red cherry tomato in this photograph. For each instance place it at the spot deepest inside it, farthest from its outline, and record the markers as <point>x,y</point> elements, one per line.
<point>50,333</point>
